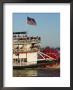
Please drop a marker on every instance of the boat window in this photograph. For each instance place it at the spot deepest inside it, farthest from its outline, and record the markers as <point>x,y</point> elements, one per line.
<point>18,61</point>
<point>25,59</point>
<point>22,59</point>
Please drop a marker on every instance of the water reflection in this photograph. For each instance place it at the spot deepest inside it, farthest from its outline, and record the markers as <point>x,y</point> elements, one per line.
<point>25,72</point>
<point>29,72</point>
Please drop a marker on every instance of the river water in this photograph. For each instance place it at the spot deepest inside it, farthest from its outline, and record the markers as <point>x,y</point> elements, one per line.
<point>34,72</point>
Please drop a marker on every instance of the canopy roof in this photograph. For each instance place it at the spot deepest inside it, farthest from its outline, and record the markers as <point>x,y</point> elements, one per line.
<point>19,32</point>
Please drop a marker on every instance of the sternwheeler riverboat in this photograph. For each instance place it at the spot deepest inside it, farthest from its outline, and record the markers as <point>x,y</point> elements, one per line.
<point>27,52</point>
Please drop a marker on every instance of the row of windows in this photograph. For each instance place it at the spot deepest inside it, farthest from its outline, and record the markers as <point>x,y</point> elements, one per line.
<point>18,60</point>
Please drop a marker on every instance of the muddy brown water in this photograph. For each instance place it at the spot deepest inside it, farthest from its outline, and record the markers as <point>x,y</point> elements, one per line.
<point>34,72</point>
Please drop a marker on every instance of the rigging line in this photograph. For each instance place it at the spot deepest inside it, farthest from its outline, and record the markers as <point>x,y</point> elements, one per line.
<point>46,55</point>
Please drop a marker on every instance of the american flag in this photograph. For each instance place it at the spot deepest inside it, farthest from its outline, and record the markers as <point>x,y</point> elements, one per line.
<point>31,21</point>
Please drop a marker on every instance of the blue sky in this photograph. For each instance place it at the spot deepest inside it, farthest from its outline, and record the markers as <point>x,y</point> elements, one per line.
<point>48,27</point>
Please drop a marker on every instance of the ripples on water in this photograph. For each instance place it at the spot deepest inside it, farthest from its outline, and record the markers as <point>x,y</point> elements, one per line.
<point>29,72</point>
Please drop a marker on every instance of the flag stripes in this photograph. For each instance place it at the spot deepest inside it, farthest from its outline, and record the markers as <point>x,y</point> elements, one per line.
<point>31,21</point>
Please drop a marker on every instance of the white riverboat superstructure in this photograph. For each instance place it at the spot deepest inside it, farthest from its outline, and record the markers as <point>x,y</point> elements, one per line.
<point>25,49</point>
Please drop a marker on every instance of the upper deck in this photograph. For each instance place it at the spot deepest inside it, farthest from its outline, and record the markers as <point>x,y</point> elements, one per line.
<point>22,38</point>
